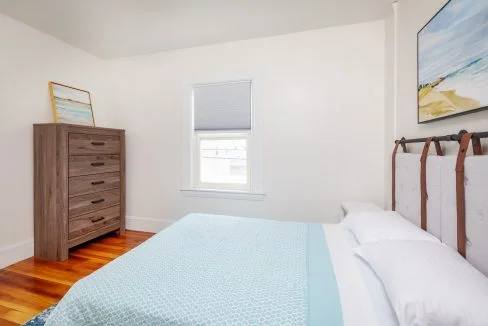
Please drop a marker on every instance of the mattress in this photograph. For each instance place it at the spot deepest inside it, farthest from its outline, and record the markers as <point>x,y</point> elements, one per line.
<point>216,270</point>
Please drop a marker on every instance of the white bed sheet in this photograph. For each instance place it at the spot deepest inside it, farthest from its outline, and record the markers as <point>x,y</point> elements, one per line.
<point>363,298</point>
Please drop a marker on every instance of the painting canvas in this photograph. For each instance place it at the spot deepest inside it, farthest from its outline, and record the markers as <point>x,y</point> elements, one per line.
<point>453,61</point>
<point>71,105</point>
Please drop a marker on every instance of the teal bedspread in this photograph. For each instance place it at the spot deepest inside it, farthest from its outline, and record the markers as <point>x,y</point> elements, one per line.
<point>213,270</point>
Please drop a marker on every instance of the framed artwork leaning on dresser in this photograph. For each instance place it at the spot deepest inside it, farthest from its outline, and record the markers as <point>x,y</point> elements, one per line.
<point>71,105</point>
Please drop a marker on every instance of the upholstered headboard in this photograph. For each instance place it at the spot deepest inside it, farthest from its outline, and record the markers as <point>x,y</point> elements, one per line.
<point>441,212</point>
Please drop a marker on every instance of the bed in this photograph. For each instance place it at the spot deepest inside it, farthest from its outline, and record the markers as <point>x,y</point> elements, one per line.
<point>216,270</point>
<point>377,269</point>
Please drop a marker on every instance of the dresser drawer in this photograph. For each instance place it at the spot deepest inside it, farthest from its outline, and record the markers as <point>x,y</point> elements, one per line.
<point>87,223</point>
<point>92,202</point>
<point>93,183</point>
<point>93,164</point>
<point>93,144</point>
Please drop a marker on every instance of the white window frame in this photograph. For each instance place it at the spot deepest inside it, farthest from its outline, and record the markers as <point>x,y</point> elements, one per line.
<point>192,187</point>
<point>215,135</point>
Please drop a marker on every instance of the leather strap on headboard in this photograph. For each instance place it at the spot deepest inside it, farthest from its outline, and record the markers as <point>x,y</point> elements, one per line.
<point>423,180</point>
<point>438,148</point>
<point>393,164</point>
<point>460,195</point>
<point>477,150</point>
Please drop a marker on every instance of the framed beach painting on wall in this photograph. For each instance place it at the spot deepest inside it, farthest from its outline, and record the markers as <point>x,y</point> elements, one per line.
<point>71,105</point>
<point>453,61</point>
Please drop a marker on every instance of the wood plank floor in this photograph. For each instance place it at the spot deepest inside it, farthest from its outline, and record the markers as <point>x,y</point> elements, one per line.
<point>32,285</point>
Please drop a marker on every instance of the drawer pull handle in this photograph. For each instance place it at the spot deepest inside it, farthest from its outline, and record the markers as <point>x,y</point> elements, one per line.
<point>95,183</point>
<point>98,164</point>
<point>98,143</point>
<point>97,219</point>
<point>98,201</point>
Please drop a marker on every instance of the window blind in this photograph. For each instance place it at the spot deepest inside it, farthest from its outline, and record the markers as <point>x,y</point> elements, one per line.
<point>223,106</point>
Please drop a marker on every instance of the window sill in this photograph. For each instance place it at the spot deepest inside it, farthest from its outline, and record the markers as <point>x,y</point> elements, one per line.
<point>226,194</point>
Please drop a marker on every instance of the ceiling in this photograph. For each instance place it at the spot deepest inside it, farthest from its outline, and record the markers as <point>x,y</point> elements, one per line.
<point>121,28</point>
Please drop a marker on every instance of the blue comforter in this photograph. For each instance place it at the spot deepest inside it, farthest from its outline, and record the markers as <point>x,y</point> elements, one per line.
<point>212,270</point>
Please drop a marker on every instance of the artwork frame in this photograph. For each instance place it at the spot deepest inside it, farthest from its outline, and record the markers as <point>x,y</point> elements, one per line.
<point>71,105</point>
<point>462,103</point>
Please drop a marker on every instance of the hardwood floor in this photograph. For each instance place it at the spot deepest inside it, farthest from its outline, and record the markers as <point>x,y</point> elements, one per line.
<point>32,285</point>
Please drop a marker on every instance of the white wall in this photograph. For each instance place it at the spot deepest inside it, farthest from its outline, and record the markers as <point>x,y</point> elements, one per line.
<point>28,60</point>
<point>320,98</point>
<point>412,16</point>
<point>390,97</point>
<point>316,93</point>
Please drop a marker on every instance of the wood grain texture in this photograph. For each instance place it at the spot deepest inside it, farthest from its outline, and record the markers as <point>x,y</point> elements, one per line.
<point>67,186</point>
<point>61,235</point>
<point>32,285</point>
<point>90,222</point>
<point>80,144</point>
<point>93,164</point>
<point>83,129</point>
<point>93,234</point>
<point>122,181</point>
<point>44,188</point>
<point>50,213</point>
<point>93,202</point>
<point>93,183</point>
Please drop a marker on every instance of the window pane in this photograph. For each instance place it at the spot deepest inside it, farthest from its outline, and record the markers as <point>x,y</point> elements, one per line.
<point>223,161</point>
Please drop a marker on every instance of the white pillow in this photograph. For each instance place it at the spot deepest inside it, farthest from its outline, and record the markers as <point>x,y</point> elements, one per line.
<point>371,227</point>
<point>429,283</point>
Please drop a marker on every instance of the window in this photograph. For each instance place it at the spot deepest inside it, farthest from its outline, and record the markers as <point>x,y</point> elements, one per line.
<point>222,161</point>
<point>222,134</point>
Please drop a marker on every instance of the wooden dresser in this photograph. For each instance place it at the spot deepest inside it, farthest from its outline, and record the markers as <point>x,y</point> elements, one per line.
<point>79,186</point>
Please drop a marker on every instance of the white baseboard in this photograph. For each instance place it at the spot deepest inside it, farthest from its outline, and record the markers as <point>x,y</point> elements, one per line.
<point>146,224</point>
<point>14,253</point>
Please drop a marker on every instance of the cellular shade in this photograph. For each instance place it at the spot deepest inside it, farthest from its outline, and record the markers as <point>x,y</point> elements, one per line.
<point>224,106</point>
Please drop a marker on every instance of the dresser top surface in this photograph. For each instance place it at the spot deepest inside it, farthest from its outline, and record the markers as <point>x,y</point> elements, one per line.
<point>76,126</point>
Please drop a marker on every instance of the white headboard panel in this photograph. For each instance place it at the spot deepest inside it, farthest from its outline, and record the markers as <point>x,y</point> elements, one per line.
<point>434,191</point>
<point>476,184</point>
<point>448,201</point>
<point>441,202</point>
<point>408,186</point>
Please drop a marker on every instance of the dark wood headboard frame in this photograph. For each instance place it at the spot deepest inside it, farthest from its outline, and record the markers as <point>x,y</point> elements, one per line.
<point>464,139</point>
